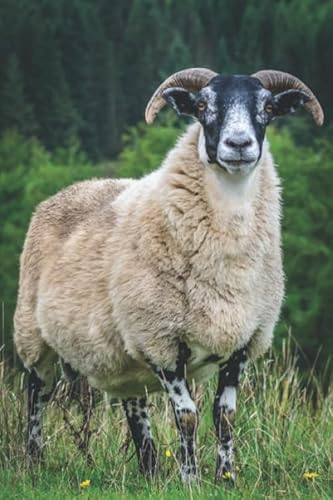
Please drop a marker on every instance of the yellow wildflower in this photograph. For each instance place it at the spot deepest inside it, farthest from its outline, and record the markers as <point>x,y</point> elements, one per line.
<point>310,475</point>
<point>167,453</point>
<point>227,475</point>
<point>85,483</point>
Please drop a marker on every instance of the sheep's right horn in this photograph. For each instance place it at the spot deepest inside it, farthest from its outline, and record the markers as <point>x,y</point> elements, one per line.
<point>278,81</point>
<point>192,79</point>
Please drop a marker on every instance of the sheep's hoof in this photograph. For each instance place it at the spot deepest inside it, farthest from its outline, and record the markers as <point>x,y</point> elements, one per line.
<point>225,475</point>
<point>148,462</point>
<point>189,474</point>
<point>35,455</point>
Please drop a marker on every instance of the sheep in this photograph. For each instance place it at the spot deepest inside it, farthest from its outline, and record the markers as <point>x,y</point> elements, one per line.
<point>143,285</point>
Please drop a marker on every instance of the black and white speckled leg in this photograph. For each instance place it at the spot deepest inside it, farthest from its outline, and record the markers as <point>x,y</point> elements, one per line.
<point>224,413</point>
<point>138,420</point>
<point>174,383</point>
<point>39,393</point>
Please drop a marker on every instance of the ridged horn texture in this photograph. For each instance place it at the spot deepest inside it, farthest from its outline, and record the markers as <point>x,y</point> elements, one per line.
<point>191,79</point>
<point>278,81</point>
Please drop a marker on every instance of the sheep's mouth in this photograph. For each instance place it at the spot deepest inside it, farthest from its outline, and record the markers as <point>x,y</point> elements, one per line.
<point>232,163</point>
<point>235,164</point>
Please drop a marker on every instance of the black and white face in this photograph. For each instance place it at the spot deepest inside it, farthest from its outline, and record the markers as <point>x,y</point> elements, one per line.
<point>234,112</point>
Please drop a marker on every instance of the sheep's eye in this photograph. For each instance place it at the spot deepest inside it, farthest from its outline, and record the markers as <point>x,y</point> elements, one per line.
<point>202,105</point>
<point>269,108</point>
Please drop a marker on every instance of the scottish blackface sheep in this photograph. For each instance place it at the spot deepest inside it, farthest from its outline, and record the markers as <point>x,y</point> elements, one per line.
<point>146,284</point>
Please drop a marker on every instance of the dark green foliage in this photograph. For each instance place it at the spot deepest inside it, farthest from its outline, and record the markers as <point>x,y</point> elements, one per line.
<point>15,110</point>
<point>307,176</point>
<point>84,70</point>
<point>145,148</point>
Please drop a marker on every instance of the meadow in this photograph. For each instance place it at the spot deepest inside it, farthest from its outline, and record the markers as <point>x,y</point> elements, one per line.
<point>283,437</point>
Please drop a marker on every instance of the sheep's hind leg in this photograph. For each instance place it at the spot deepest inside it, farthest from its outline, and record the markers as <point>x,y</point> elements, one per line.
<point>175,384</point>
<point>224,414</point>
<point>39,393</point>
<point>138,420</point>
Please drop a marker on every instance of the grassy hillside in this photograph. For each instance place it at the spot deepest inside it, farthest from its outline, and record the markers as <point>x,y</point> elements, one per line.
<point>282,433</point>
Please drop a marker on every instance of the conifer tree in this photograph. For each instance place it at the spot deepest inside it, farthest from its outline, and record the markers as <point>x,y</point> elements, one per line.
<point>15,110</point>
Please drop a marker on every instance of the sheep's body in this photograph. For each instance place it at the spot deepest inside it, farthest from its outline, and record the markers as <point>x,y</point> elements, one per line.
<point>115,273</point>
<point>145,284</point>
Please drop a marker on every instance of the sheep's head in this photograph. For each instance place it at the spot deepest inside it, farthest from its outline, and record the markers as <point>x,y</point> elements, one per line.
<point>234,111</point>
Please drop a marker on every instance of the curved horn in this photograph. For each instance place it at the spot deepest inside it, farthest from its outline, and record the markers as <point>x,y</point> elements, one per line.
<point>277,81</point>
<point>191,79</point>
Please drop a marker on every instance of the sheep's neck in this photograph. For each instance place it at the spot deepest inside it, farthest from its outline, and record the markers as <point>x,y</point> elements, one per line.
<point>229,195</point>
<point>201,198</point>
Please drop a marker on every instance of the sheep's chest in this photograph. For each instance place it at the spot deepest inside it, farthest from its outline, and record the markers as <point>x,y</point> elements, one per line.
<point>223,301</point>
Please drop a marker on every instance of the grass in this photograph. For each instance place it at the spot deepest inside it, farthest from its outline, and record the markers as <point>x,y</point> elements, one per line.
<point>279,436</point>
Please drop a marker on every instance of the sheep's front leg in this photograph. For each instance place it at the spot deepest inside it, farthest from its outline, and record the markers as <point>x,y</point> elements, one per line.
<point>138,420</point>
<point>224,414</point>
<point>175,384</point>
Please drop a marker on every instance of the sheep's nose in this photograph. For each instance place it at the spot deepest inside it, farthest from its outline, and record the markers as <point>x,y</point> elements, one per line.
<point>238,141</point>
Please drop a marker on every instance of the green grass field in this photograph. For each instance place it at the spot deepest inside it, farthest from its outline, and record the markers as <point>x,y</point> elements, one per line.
<point>279,436</point>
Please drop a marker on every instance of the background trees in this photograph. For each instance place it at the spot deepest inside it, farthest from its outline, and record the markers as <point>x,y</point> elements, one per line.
<point>85,69</point>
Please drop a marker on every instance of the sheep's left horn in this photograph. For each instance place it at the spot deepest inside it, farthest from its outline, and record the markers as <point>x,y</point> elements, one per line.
<point>278,81</point>
<point>192,79</point>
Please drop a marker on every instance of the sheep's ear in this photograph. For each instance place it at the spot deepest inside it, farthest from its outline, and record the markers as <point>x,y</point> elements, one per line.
<point>181,100</point>
<point>289,101</point>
